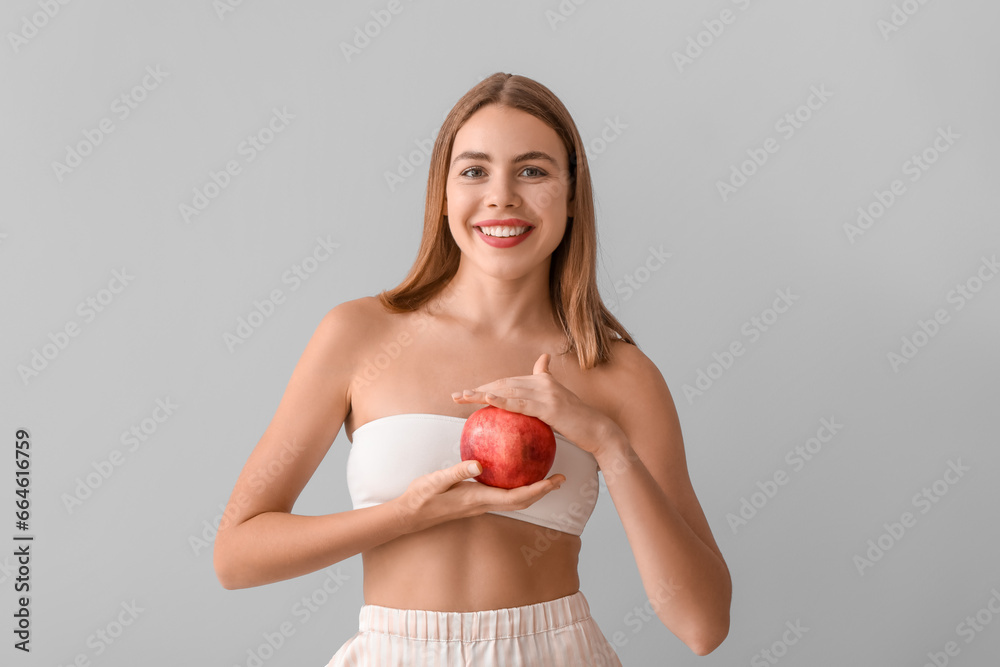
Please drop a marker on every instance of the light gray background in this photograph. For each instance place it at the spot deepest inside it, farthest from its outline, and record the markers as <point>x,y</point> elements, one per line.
<point>680,131</point>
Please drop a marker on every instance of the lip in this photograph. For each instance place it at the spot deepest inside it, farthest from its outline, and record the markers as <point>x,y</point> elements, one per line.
<point>503,242</point>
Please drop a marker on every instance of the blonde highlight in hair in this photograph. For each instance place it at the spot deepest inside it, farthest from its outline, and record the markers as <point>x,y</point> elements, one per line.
<point>590,328</point>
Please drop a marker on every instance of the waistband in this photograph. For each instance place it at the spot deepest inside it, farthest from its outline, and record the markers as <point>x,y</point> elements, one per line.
<point>475,625</point>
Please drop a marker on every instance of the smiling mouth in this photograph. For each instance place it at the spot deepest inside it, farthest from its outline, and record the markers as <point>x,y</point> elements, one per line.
<point>503,231</point>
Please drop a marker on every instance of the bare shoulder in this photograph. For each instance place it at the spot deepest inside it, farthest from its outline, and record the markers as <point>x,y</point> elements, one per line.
<point>342,333</point>
<point>644,408</point>
<point>352,322</point>
<point>348,331</point>
<point>618,385</point>
<point>630,371</point>
<point>361,311</point>
<point>628,358</point>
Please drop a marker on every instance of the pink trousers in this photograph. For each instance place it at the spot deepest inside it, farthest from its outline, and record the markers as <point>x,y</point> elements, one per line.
<point>550,634</point>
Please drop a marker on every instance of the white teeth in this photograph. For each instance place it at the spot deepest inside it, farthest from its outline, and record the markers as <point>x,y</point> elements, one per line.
<point>503,232</point>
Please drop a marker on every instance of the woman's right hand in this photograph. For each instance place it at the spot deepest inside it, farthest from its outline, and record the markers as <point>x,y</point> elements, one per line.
<point>445,495</point>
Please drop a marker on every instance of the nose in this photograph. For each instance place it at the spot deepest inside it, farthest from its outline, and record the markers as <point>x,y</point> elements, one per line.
<point>502,193</point>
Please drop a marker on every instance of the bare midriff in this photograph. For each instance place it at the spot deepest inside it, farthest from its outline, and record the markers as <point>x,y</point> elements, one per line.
<point>481,562</point>
<point>472,564</point>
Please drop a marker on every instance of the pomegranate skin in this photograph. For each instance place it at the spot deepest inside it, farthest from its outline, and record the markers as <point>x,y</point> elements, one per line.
<point>514,449</point>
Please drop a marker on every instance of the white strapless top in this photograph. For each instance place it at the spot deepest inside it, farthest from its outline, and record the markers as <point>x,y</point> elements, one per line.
<point>390,452</point>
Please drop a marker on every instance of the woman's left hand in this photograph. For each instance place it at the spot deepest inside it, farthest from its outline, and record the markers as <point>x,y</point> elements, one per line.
<point>541,395</point>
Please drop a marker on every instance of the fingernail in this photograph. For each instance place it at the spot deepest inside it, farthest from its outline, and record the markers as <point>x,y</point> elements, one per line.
<point>468,392</point>
<point>456,394</point>
<point>474,468</point>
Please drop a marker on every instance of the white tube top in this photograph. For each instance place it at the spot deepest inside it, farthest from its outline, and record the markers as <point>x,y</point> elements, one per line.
<point>390,452</point>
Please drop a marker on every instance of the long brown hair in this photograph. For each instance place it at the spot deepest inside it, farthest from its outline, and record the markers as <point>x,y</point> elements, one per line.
<point>588,325</point>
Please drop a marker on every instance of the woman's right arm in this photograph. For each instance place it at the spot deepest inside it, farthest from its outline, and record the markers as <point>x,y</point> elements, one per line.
<point>259,541</point>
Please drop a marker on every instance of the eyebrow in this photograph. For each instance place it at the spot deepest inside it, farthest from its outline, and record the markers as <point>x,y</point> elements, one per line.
<point>523,157</point>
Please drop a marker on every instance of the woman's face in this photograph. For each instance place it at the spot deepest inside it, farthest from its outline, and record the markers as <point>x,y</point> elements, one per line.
<point>507,165</point>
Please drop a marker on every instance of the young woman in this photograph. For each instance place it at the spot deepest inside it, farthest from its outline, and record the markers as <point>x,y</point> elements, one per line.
<point>501,308</point>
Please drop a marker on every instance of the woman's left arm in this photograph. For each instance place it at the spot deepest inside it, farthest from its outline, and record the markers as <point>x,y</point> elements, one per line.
<point>641,453</point>
<point>644,465</point>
